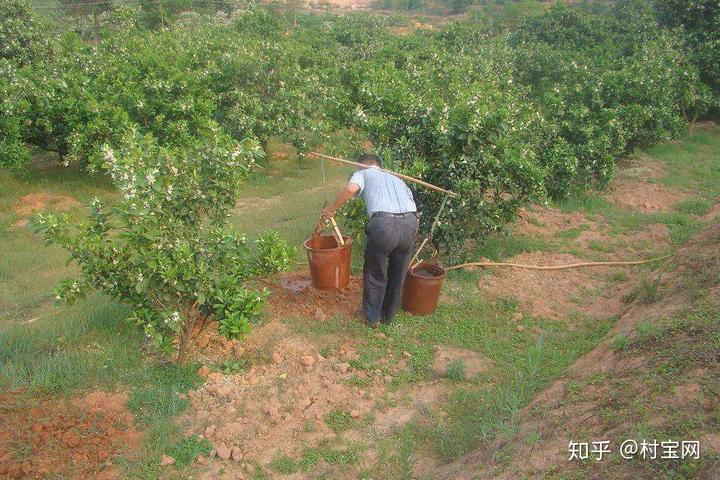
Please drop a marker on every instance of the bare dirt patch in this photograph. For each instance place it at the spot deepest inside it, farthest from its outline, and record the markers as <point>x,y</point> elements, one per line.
<point>408,402</point>
<point>281,405</point>
<point>644,196</point>
<point>556,294</point>
<point>540,221</point>
<point>474,363</point>
<point>70,439</point>
<point>39,202</point>
<point>642,168</point>
<point>589,235</point>
<point>293,296</point>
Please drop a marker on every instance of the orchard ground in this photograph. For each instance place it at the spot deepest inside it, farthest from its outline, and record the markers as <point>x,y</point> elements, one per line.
<point>512,366</point>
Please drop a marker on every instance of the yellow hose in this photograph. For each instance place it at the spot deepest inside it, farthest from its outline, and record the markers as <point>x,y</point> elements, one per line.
<point>554,267</point>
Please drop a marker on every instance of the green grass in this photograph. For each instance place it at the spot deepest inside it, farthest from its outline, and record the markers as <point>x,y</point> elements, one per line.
<point>314,457</point>
<point>692,163</point>
<point>504,244</point>
<point>332,456</point>
<point>456,370</point>
<point>571,233</point>
<point>28,269</point>
<point>281,463</point>
<point>681,224</point>
<point>188,449</point>
<point>339,420</point>
<point>289,200</point>
<point>645,292</point>
<point>693,206</point>
<point>480,414</point>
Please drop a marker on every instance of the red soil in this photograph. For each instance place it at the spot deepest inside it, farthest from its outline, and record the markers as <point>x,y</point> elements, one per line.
<point>68,439</point>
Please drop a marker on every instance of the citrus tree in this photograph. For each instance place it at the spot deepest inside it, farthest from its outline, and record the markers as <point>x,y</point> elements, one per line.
<point>165,248</point>
<point>21,36</point>
<point>458,122</point>
<point>22,44</point>
<point>606,85</point>
<point>700,21</point>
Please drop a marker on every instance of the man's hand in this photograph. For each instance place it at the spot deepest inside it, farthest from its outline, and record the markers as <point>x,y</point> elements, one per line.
<point>343,196</point>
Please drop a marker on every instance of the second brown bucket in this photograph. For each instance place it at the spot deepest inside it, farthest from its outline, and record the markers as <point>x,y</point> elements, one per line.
<point>329,262</point>
<point>421,292</point>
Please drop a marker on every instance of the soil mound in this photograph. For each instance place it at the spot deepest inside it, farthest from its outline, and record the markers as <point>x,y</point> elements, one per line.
<point>70,439</point>
<point>556,294</point>
<point>283,405</point>
<point>644,196</point>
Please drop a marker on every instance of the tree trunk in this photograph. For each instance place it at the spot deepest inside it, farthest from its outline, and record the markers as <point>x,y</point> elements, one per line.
<point>265,144</point>
<point>192,315</point>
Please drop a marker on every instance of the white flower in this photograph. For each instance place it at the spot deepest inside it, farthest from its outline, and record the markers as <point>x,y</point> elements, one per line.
<point>360,114</point>
<point>108,154</point>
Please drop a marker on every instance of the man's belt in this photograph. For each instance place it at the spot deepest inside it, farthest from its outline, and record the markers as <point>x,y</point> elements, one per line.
<point>394,215</point>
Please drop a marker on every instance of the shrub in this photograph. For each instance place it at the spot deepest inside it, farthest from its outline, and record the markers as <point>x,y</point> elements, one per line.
<point>606,85</point>
<point>164,248</point>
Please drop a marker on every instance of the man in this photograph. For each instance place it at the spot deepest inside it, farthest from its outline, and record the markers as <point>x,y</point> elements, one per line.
<point>390,236</point>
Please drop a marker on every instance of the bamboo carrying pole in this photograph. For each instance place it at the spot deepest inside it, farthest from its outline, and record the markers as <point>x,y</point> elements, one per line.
<point>399,175</point>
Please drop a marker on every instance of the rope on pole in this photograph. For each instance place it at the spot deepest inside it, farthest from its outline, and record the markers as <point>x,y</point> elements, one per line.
<point>322,167</point>
<point>432,231</point>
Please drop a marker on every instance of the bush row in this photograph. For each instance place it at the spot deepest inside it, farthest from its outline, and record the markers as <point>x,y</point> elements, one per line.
<point>176,117</point>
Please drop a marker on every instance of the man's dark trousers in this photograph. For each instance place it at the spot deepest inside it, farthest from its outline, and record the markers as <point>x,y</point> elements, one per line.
<point>390,241</point>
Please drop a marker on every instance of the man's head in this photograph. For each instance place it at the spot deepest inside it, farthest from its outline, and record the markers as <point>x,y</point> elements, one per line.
<point>370,159</point>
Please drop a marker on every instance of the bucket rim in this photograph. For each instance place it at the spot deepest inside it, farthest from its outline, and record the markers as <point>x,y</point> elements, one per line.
<point>429,265</point>
<point>348,242</point>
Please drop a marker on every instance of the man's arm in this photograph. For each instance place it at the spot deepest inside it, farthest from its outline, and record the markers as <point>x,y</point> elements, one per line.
<point>343,196</point>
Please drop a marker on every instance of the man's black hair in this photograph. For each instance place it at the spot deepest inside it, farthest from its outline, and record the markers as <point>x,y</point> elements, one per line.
<point>370,159</point>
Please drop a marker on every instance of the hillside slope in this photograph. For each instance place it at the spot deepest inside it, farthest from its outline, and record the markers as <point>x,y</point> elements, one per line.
<point>655,377</point>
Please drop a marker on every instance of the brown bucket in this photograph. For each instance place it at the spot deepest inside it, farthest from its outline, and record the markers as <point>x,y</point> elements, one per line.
<point>329,262</point>
<point>422,288</point>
